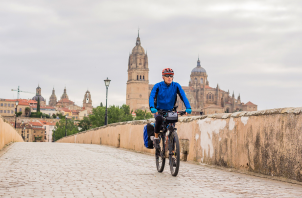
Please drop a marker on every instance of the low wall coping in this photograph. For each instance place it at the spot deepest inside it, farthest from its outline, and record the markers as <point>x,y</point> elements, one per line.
<point>288,110</point>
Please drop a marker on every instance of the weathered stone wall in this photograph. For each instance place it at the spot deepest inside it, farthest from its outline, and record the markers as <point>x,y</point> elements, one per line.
<point>8,134</point>
<point>267,142</point>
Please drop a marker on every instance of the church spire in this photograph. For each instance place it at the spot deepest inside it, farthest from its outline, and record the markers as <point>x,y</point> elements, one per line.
<point>198,62</point>
<point>138,40</point>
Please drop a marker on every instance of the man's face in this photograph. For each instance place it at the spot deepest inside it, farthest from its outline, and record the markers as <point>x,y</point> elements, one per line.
<point>168,78</point>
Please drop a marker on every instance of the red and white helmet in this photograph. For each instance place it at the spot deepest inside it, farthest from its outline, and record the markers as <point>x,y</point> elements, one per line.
<point>167,71</point>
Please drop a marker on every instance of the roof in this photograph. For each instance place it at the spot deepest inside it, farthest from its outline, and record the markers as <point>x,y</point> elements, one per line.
<point>198,68</point>
<point>47,123</point>
<point>35,123</point>
<point>250,103</point>
<point>25,102</point>
<point>65,100</point>
<point>43,107</point>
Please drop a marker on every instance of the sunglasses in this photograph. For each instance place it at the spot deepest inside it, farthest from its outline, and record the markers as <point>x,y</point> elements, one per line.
<point>168,76</point>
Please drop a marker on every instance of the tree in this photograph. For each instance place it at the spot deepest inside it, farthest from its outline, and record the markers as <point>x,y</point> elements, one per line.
<point>54,116</point>
<point>142,115</point>
<point>85,124</point>
<point>59,131</point>
<point>38,105</point>
<point>18,114</point>
<point>101,105</point>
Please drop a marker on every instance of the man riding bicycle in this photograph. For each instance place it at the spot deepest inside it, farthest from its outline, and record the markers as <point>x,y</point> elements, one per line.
<point>163,96</point>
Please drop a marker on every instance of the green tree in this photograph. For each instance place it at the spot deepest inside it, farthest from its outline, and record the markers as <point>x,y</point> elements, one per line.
<point>142,115</point>
<point>18,114</point>
<point>101,105</point>
<point>38,105</point>
<point>71,128</point>
<point>54,116</point>
<point>85,124</point>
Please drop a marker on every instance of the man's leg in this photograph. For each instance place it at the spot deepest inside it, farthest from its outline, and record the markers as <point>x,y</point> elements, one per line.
<point>158,123</point>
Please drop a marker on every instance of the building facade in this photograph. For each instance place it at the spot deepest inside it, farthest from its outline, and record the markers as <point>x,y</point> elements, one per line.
<point>138,78</point>
<point>203,98</point>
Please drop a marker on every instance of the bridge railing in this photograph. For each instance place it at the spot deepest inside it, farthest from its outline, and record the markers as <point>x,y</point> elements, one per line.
<point>8,134</point>
<point>267,142</point>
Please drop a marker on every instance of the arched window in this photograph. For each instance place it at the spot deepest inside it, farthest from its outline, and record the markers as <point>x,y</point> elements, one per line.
<point>137,77</point>
<point>201,80</point>
<point>140,77</point>
<point>143,77</point>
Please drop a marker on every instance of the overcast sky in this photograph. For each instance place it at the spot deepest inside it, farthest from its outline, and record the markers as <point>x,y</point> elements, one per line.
<point>250,47</point>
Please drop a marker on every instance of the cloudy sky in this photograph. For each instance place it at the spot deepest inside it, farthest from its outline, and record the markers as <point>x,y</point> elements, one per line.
<point>250,47</point>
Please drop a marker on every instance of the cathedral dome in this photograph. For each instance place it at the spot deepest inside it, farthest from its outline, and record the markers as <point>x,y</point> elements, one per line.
<point>36,98</point>
<point>198,69</point>
<point>138,50</point>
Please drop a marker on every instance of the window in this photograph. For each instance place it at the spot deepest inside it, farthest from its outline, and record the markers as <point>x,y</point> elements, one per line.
<point>1,104</point>
<point>12,105</point>
<point>20,109</point>
<point>201,80</point>
<point>34,131</point>
<point>27,135</point>
<point>8,105</point>
<point>4,111</point>
<point>12,112</point>
<point>5,104</point>
<point>137,77</point>
<point>140,77</point>
<point>0,111</point>
<point>143,77</point>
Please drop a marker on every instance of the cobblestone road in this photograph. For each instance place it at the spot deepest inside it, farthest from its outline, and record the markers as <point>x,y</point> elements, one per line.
<point>83,170</point>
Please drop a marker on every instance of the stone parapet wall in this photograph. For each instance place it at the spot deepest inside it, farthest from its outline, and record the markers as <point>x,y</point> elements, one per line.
<point>8,134</point>
<point>267,142</point>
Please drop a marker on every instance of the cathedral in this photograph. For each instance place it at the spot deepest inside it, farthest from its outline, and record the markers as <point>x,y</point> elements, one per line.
<point>203,98</point>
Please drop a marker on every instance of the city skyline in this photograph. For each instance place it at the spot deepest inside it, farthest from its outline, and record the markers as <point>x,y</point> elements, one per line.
<point>251,48</point>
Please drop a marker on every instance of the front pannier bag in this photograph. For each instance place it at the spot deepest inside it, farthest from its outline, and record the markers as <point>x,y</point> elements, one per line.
<point>171,117</point>
<point>149,135</point>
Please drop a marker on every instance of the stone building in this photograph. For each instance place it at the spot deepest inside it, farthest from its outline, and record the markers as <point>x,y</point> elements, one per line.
<point>53,98</point>
<point>87,102</point>
<point>201,96</point>
<point>138,78</point>
<point>38,95</point>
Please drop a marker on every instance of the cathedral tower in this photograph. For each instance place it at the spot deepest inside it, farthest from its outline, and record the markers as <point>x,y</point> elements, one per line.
<point>53,98</point>
<point>64,95</point>
<point>138,78</point>
<point>87,102</point>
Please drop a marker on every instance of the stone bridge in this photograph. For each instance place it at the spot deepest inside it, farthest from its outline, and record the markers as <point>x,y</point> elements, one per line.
<point>255,154</point>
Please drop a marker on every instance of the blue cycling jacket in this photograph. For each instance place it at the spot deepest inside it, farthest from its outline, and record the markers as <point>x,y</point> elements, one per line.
<point>164,97</point>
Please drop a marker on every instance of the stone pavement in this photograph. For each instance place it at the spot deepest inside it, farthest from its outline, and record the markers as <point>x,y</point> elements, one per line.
<point>87,170</point>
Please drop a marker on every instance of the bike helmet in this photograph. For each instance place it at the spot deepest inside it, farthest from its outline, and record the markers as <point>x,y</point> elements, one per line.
<point>167,71</point>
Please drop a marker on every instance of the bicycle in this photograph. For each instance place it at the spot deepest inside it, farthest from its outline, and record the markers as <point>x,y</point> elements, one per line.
<point>168,138</point>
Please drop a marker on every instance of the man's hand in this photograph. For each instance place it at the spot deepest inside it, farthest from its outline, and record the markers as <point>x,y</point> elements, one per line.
<point>153,110</point>
<point>189,111</point>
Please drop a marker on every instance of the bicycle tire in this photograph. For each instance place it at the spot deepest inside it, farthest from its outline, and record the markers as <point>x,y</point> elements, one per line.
<point>175,157</point>
<point>161,159</point>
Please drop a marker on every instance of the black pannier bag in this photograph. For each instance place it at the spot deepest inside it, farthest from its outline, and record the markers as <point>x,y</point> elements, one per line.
<point>171,117</point>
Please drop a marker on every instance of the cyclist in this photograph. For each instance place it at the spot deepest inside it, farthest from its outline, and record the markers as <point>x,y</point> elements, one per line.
<point>163,96</point>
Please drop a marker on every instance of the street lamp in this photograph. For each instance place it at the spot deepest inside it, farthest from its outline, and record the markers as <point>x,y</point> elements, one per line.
<point>17,102</point>
<point>65,125</point>
<point>107,82</point>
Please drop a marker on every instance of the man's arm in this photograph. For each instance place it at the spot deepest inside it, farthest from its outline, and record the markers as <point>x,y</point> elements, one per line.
<point>153,95</point>
<point>183,96</point>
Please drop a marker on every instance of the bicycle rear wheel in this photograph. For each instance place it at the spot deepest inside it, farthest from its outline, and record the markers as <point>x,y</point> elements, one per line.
<point>161,158</point>
<point>174,154</point>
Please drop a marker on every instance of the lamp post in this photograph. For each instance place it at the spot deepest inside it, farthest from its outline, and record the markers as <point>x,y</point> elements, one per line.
<point>65,125</point>
<point>17,102</point>
<point>107,82</point>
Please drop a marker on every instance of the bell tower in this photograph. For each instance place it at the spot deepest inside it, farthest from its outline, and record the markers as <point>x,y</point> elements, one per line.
<point>138,78</point>
<point>87,102</point>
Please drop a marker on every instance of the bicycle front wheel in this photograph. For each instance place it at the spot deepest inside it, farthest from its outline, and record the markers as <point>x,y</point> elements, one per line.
<point>174,154</point>
<point>161,158</point>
